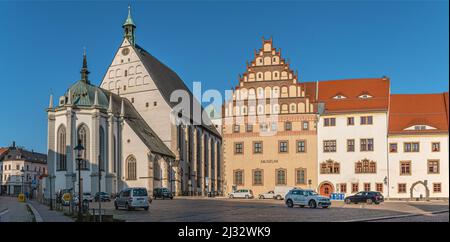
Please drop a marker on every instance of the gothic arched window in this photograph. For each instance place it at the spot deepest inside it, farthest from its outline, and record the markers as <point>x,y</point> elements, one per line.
<point>83,137</point>
<point>131,168</point>
<point>61,164</point>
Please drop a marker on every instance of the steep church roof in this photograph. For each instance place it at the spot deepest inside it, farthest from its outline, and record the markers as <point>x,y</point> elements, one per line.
<point>167,81</point>
<point>138,125</point>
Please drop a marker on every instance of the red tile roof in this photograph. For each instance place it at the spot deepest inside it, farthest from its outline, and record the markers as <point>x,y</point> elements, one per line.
<point>407,110</point>
<point>351,89</point>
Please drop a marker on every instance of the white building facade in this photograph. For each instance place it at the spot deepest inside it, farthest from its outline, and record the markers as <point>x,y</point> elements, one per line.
<point>352,136</point>
<point>418,146</point>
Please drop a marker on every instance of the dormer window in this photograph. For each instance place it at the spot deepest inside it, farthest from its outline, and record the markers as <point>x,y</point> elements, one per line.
<point>365,96</point>
<point>419,127</point>
<point>339,96</point>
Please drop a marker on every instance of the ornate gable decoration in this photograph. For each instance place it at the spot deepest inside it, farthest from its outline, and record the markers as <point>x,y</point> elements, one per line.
<point>268,65</point>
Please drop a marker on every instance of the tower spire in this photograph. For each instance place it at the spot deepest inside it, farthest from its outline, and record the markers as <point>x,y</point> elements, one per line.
<point>84,70</point>
<point>129,27</point>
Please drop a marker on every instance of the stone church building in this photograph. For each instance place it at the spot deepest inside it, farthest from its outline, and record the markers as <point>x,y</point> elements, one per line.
<point>134,129</point>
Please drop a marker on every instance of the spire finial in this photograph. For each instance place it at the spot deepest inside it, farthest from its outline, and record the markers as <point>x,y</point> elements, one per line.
<point>50,105</point>
<point>122,109</point>
<point>110,106</point>
<point>96,98</point>
<point>84,69</point>
<point>129,27</point>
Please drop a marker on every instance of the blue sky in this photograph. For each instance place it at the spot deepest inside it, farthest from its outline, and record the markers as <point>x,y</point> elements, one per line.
<point>42,43</point>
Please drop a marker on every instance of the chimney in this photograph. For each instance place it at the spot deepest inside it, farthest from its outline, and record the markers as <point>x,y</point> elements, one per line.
<point>14,144</point>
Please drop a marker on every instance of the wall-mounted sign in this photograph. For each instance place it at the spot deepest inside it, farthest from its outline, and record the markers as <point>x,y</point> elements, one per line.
<point>269,161</point>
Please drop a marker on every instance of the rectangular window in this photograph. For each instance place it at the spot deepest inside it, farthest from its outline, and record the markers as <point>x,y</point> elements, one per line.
<point>329,146</point>
<point>411,147</point>
<point>355,187</point>
<point>236,128</point>
<point>257,177</point>
<point>350,121</point>
<point>17,167</point>
<point>433,166</point>
<point>402,188</point>
<point>288,126</point>
<point>301,146</point>
<point>329,122</point>
<point>437,187</point>
<point>239,178</point>
<point>257,147</point>
<point>249,128</point>
<point>350,145</point>
<point>367,187</point>
<point>379,187</point>
<point>263,127</point>
<point>280,176</point>
<point>274,127</point>
<point>405,168</point>
<point>305,125</point>
<point>343,187</point>
<point>435,147</point>
<point>238,148</point>
<point>393,147</point>
<point>300,176</point>
<point>283,146</point>
<point>365,120</point>
<point>366,144</point>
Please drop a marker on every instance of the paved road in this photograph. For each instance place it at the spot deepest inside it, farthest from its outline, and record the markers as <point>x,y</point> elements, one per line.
<point>438,217</point>
<point>226,210</point>
<point>12,210</point>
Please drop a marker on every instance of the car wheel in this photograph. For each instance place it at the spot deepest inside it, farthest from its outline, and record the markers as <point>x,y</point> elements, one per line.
<point>377,203</point>
<point>324,206</point>
<point>302,206</point>
<point>278,197</point>
<point>312,204</point>
<point>289,203</point>
<point>246,197</point>
<point>369,201</point>
<point>231,196</point>
<point>347,201</point>
<point>261,197</point>
<point>115,206</point>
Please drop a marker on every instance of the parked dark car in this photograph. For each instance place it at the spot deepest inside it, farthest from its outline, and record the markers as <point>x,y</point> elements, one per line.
<point>365,197</point>
<point>104,197</point>
<point>162,193</point>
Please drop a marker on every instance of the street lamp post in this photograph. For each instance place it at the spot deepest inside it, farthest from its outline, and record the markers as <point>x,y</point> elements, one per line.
<point>79,153</point>
<point>22,175</point>
<point>99,188</point>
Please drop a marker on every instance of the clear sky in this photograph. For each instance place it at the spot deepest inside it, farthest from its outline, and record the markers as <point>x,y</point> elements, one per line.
<point>42,42</point>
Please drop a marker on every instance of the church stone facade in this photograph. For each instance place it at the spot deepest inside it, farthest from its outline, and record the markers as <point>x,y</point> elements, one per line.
<point>130,126</point>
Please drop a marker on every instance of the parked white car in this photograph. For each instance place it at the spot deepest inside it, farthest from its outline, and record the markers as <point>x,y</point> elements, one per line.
<point>281,191</point>
<point>306,198</point>
<point>242,193</point>
<point>267,195</point>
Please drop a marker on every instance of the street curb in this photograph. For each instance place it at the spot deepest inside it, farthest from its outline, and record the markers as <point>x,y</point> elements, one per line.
<point>396,216</point>
<point>37,216</point>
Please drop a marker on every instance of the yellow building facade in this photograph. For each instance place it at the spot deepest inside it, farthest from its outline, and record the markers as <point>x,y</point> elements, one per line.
<point>269,127</point>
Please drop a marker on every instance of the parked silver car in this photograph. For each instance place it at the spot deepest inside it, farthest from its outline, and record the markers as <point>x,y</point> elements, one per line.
<point>130,198</point>
<point>304,198</point>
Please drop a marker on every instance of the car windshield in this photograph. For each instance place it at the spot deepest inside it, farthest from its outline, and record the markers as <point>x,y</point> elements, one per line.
<point>139,192</point>
<point>311,193</point>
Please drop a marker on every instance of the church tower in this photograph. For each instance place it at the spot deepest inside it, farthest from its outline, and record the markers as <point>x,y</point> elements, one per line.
<point>129,27</point>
